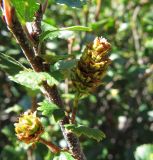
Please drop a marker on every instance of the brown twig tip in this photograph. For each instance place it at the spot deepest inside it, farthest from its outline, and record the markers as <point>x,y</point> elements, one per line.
<point>7,11</point>
<point>53,148</point>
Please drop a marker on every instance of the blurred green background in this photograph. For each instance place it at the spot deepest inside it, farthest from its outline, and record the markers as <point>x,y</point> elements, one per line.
<point>121,107</point>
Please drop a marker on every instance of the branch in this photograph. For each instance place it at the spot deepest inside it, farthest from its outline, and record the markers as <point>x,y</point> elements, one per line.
<point>53,148</point>
<point>22,40</point>
<point>36,26</point>
<point>34,103</point>
<point>134,29</point>
<point>50,92</point>
<point>72,141</point>
<point>44,6</point>
<point>75,108</point>
<point>98,8</point>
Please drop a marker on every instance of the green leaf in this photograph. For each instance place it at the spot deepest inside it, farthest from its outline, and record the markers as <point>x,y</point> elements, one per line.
<point>49,156</point>
<point>52,32</point>
<point>72,3</point>
<point>89,132</point>
<point>58,114</point>
<point>26,9</point>
<point>144,152</point>
<point>63,65</point>
<point>9,64</point>
<point>16,108</point>
<point>68,96</point>
<point>53,58</point>
<point>49,109</point>
<point>8,131</point>
<point>58,75</point>
<point>62,69</point>
<point>98,24</point>
<point>76,28</point>
<point>64,156</point>
<point>33,80</point>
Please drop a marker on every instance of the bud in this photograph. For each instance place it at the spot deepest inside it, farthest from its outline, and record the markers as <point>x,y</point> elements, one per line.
<point>92,66</point>
<point>29,128</point>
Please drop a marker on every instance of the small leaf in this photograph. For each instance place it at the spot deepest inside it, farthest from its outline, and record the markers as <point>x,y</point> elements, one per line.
<point>49,109</point>
<point>16,108</point>
<point>144,152</point>
<point>58,114</point>
<point>68,96</point>
<point>33,80</point>
<point>63,65</point>
<point>58,75</point>
<point>72,3</point>
<point>52,32</point>
<point>76,28</point>
<point>25,9</point>
<point>89,132</point>
<point>64,156</point>
<point>9,64</point>
<point>53,58</point>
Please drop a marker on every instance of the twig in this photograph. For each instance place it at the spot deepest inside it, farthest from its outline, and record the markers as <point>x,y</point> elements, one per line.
<point>75,108</point>
<point>44,6</point>
<point>76,18</point>
<point>134,29</point>
<point>70,45</point>
<point>21,38</point>
<point>30,155</point>
<point>53,148</point>
<point>34,103</point>
<point>50,92</point>
<point>98,8</point>
<point>72,141</point>
<point>36,26</point>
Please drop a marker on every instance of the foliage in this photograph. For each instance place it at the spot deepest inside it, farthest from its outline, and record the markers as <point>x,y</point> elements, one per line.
<point>54,32</point>
<point>49,109</point>
<point>63,155</point>
<point>88,132</point>
<point>25,9</point>
<point>144,152</point>
<point>121,107</point>
<point>33,80</point>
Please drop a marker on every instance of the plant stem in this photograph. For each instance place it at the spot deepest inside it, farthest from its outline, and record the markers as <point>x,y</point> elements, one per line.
<point>34,103</point>
<point>72,141</point>
<point>50,92</point>
<point>98,8</point>
<point>75,108</point>
<point>53,148</point>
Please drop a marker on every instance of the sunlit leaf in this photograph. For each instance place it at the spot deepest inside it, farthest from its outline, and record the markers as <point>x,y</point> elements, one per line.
<point>86,131</point>
<point>26,9</point>
<point>53,32</point>
<point>9,65</point>
<point>51,109</point>
<point>33,80</point>
<point>144,152</point>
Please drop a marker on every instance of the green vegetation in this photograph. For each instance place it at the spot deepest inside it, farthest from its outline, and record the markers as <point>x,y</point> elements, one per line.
<point>113,121</point>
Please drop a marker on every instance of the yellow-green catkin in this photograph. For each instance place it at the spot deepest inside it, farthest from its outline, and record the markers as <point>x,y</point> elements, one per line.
<point>92,66</point>
<point>28,128</point>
